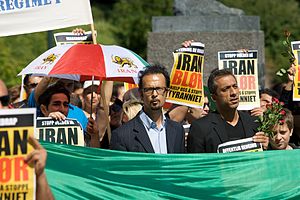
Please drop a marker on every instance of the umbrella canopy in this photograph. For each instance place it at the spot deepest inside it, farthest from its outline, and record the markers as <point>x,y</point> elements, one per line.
<point>82,61</point>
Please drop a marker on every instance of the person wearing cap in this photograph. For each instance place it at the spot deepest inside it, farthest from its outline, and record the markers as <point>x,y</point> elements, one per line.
<point>91,99</point>
<point>94,110</point>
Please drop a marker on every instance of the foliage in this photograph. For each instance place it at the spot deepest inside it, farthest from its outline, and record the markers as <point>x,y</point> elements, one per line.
<point>16,52</point>
<point>271,117</point>
<point>287,52</point>
<point>132,19</point>
<point>127,23</point>
<point>275,17</point>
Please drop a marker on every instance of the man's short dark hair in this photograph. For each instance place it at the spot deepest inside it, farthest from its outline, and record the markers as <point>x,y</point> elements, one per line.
<point>270,92</point>
<point>154,69</point>
<point>215,74</point>
<point>57,88</point>
<point>26,79</point>
<point>288,118</point>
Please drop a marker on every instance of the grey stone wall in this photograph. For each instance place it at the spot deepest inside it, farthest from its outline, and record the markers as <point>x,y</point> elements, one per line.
<point>220,28</point>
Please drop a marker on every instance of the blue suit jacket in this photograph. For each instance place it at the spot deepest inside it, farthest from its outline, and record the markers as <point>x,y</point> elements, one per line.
<point>132,136</point>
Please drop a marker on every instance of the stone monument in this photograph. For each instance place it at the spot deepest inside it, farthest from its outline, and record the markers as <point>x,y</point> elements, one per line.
<point>219,27</point>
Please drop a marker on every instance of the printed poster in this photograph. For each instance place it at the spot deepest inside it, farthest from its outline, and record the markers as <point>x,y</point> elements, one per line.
<point>20,17</point>
<point>129,86</point>
<point>186,86</point>
<point>68,131</point>
<point>296,51</point>
<point>244,66</point>
<point>17,179</point>
<point>243,145</point>
<point>72,38</point>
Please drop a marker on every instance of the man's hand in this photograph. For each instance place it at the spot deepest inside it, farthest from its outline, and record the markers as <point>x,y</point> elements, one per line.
<point>257,112</point>
<point>57,116</point>
<point>37,158</point>
<point>291,75</point>
<point>92,127</point>
<point>187,43</point>
<point>93,131</point>
<point>261,138</point>
<point>78,31</point>
<point>291,72</point>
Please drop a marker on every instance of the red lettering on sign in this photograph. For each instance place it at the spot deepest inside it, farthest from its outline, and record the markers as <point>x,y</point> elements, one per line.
<point>192,80</point>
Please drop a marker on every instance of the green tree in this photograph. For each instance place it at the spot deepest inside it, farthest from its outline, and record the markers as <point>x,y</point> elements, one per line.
<point>276,16</point>
<point>132,20</point>
<point>16,52</point>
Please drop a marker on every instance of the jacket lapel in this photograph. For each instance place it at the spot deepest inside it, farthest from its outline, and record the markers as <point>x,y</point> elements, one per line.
<point>219,127</point>
<point>170,137</point>
<point>142,136</point>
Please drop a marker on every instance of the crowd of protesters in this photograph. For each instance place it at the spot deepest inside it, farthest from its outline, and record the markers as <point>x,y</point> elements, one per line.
<point>106,112</point>
<point>136,120</point>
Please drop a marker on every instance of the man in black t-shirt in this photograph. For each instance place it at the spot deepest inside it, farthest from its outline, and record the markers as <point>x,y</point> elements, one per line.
<point>226,124</point>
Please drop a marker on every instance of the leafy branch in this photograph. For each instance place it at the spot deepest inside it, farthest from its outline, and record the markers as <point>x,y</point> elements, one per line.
<point>287,52</point>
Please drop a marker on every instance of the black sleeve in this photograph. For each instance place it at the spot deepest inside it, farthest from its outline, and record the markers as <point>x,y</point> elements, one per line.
<point>116,142</point>
<point>195,140</point>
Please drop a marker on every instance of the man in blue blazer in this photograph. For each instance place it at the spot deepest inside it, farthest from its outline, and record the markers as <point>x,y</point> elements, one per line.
<point>226,124</point>
<point>150,131</point>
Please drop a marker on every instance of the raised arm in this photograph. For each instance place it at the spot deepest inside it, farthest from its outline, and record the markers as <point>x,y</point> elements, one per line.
<point>37,158</point>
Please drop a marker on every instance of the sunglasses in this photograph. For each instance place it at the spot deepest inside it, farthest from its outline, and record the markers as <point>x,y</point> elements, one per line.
<point>4,100</point>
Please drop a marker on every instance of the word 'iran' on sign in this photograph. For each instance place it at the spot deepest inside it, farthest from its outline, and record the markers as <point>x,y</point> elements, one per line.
<point>186,86</point>
<point>244,66</point>
<point>68,131</point>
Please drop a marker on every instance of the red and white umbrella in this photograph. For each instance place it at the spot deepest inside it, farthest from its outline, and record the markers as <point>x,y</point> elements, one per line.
<point>81,62</point>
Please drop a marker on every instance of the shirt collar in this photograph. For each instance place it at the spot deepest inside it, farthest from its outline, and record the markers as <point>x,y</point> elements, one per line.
<point>148,122</point>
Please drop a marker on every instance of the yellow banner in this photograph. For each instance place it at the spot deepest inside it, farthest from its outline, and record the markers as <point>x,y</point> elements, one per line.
<point>296,51</point>
<point>244,66</point>
<point>17,179</point>
<point>186,86</point>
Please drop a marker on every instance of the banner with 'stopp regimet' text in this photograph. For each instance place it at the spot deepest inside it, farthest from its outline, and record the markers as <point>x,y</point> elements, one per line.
<point>20,17</point>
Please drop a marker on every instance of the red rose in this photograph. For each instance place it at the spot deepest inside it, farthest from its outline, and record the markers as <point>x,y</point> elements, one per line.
<point>275,100</point>
<point>282,112</point>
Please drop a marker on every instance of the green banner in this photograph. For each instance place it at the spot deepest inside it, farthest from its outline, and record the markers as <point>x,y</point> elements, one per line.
<point>86,173</point>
